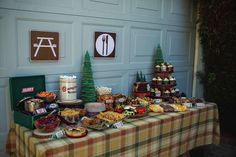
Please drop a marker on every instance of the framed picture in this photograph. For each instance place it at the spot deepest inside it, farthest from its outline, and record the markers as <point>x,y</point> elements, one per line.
<point>44,45</point>
<point>104,44</point>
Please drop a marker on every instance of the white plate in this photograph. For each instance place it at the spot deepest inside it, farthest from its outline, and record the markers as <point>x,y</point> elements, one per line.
<point>39,134</point>
<point>69,101</point>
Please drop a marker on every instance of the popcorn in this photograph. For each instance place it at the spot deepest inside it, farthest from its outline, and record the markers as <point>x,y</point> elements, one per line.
<point>67,77</point>
<point>103,90</point>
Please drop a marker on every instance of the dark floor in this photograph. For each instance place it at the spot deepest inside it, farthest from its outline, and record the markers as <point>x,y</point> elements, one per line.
<point>227,148</point>
<point>222,150</point>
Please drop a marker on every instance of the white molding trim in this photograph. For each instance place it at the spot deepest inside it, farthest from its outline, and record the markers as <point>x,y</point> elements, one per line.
<point>198,65</point>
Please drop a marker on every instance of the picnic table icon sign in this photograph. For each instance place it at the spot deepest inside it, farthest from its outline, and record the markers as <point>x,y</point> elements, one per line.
<point>44,45</point>
<point>40,45</point>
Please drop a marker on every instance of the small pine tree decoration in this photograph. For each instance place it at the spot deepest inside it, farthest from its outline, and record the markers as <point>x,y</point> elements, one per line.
<point>144,78</point>
<point>140,77</point>
<point>137,77</point>
<point>88,92</point>
<point>159,57</point>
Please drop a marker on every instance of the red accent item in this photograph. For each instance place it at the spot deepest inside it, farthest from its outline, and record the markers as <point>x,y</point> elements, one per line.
<point>139,94</point>
<point>119,110</point>
<point>27,89</point>
<point>141,109</point>
<point>64,89</point>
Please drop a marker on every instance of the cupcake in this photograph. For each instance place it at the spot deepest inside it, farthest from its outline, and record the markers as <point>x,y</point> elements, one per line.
<point>177,94</point>
<point>170,68</point>
<point>157,93</point>
<point>163,68</point>
<point>172,92</point>
<point>166,81</point>
<point>154,80</point>
<point>159,81</point>
<point>172,80</point>
<point>158,68</point>
<point>166,93</point>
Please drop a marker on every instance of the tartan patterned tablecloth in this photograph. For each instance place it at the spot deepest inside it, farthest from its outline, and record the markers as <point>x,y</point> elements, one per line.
<point>166,134</point>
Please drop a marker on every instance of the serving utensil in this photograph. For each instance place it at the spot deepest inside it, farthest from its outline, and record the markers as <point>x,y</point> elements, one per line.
<point>106,44</point>
<point>103,40</point>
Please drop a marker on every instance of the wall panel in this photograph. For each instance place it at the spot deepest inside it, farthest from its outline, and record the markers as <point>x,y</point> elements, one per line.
<point>180,46</point>
<point>2,55</point>
<point>25,25</point>
<point>105,6</point>
<point>43,3</point>
<point>7,44</point>
<point>154,8</point>
<point>114,80</point>
<point>180,10</point>
<point>48,6</point>
<point>89,29</point>
<point>183,77</point>
<point>3,124</point>
<point>5,112</point>
<point>143,44</point>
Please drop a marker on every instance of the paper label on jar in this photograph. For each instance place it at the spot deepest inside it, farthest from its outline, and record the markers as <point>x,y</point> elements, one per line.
<point>68,89</point>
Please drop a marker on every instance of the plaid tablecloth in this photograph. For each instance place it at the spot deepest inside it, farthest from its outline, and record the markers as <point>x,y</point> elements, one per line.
<point>166,134</point>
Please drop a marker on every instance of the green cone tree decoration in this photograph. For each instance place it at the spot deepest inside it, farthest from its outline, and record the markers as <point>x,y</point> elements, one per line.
<point>88,92</point>
<point>159,57</point>
<point>140,77</point>
<point>137,77</point>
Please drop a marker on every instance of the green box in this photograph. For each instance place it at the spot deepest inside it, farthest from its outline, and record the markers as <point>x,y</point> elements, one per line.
<point>21,87</point>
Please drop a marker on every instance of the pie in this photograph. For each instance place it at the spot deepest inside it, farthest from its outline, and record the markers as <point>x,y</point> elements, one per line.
<point>75,131</point>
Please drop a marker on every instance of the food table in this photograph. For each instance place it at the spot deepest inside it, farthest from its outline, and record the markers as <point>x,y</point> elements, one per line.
<point>158,134</point>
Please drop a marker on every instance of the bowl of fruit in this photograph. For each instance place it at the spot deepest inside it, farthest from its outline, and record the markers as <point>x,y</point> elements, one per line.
<point>47,124</point>
<point>47,96</point>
